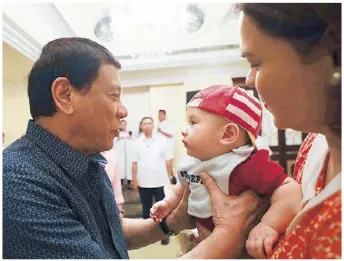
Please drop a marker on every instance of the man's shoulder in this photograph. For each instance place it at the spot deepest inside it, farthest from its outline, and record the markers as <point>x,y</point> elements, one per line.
<point>23,161</point>
<point>18,153</point>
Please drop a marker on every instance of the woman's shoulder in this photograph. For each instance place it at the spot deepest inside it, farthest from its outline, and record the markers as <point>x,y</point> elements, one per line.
<point>302,156</point>
<point>326,240</point>
<point>318,235</point>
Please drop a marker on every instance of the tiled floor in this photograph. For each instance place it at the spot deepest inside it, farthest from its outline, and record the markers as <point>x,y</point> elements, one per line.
<point>157,251</point>
<point>154,251</point>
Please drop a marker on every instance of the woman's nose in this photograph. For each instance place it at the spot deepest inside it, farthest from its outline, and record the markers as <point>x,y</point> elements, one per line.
<point>251,78</point>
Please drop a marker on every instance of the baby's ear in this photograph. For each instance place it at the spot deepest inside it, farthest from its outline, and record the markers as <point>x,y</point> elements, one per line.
<point>230,134</point>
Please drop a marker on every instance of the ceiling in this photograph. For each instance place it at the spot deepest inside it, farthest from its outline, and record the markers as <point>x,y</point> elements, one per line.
<point>144,36</point>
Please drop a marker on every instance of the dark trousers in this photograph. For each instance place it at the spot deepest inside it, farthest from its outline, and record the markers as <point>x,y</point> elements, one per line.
<point>146,196</point>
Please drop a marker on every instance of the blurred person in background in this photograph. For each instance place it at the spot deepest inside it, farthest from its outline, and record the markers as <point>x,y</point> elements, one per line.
<point>112,170</point>
<point>124,147</point>
<point>166,130</point>
<point>151,167</point>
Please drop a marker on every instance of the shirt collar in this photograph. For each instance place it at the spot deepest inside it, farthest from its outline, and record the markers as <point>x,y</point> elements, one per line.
<point>154,136</point>
<point>75,163</point>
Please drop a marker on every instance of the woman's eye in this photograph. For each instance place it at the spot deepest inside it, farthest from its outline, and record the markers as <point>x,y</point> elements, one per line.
<point>254,66</point>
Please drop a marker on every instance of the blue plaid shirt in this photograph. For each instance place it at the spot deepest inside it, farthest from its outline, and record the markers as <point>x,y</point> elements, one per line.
<point>57,203</point>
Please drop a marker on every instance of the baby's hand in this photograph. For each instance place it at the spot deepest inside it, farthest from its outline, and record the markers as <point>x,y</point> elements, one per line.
<point>261,240</point>
<point>159,211</point>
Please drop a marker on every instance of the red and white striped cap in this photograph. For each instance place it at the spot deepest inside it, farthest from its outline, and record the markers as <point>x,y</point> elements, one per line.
<point>232,103</point>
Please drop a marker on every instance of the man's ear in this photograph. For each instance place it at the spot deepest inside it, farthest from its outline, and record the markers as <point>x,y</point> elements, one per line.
<point>230,135</point>
<point>61,91</point>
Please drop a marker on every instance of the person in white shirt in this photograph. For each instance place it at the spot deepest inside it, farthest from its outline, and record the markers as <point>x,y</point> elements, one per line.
<point>151,167</point>
<point>166,130</point>
<point>124,147</point>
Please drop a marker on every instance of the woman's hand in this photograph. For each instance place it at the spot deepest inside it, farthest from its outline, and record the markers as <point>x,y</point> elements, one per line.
<point>179,218</point>
<point>236,215</point>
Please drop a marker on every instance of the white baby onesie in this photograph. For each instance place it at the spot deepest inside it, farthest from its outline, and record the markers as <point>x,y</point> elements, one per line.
<point>219,168</point>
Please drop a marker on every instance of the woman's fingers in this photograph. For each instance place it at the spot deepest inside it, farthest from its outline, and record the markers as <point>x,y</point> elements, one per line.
<point>186,193</point>
<point>213,189</point>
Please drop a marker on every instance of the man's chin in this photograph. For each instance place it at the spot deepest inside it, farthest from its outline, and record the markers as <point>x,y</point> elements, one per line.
<point>109,146</point>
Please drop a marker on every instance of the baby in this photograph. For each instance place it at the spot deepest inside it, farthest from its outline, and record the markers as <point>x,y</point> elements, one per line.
<point>223,123</point>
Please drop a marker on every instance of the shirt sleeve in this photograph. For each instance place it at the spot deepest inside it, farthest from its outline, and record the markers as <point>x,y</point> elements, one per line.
<point>134,151</point>
<point>262,175</point>
<point>39,224</point>
<point>168,155</point>
<point>167,127</point>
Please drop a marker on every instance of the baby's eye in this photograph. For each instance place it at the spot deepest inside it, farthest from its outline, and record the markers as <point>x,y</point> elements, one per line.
<point>192,123</point>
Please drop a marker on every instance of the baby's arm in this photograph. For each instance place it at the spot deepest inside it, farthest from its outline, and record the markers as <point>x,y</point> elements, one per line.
<point>175,197</point>
<point>162,208</point>
<point>285,203</point>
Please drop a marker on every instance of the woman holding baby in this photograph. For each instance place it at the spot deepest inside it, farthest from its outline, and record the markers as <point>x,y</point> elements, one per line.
<point>295,55</point>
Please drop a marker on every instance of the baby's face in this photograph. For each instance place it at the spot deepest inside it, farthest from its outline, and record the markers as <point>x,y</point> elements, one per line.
<point>202,134</point>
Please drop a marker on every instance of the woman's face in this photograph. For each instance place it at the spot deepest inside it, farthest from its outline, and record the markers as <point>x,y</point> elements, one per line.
<point>147,126</point>
<point>293,91</point>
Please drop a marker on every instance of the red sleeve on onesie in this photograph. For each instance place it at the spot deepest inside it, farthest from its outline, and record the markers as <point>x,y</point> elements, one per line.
<point>257,173</point>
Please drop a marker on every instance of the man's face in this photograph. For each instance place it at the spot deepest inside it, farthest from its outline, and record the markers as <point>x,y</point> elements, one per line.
<point>162,116</point>
<point>123,125</point>
<point>98,112</point>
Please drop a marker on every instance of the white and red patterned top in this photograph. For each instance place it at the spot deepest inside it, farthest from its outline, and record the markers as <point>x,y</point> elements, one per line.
<point>316,230</point>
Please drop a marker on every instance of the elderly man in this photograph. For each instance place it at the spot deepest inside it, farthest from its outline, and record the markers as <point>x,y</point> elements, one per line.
<point>57,199</point>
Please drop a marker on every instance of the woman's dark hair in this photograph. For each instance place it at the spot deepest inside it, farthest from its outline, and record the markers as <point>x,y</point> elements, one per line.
<point>304,25</point>
<point>77,59</point>
<point>144,118</point>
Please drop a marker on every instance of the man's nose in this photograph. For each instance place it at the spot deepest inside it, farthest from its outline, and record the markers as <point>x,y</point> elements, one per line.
<point>122,111</point>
